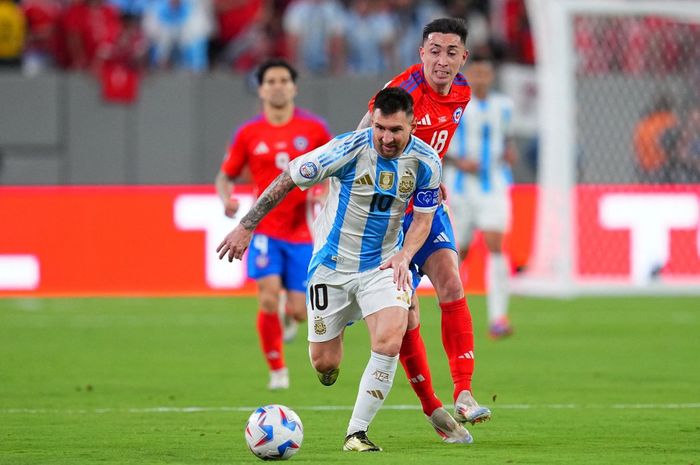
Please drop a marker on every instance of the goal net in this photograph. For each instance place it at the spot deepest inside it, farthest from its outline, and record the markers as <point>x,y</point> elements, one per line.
<point>619,147</point>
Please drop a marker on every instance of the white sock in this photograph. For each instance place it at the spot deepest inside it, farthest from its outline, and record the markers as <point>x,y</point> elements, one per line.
<point>374,387</point>
<point>497,287</point>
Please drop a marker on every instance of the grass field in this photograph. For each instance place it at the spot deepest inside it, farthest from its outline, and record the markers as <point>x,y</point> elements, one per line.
<point>113,381</point>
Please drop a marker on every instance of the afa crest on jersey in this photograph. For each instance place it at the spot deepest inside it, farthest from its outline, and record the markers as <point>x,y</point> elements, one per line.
<point>301,143</point>
<point>406,185</point>
<point>457,115</point>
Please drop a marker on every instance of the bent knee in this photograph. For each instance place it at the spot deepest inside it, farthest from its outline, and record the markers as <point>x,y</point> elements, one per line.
<point>324,361</point>
<point>449,289</point>
<point>389,347</point>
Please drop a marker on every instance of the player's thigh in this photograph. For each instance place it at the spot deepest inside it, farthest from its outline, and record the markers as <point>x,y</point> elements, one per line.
<point>441,236</point>
<point>386,329</point>
<point>269,289</point>
<point>295,265</point>
<point>296,304</point>
<point>494,240</point>
<point>384,308</point>
<point>443,270</point>
<point>330,303</point>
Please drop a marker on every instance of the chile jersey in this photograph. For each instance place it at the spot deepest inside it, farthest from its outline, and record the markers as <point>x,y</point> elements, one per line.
<point>437,116</point>
<point>267,150</point>
<point>360,225</point>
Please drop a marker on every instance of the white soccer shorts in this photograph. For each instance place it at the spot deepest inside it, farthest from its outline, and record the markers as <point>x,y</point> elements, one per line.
<point>490,212</point>
<point>335,299</point>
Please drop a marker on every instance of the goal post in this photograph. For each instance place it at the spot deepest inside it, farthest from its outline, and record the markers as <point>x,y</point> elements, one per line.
<point>601,226</point>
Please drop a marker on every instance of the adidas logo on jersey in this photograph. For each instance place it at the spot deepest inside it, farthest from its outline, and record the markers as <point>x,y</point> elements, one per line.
<point>424,121</point>
<point>261,148</point>
<point>365,180</point>
<point>442,237</point>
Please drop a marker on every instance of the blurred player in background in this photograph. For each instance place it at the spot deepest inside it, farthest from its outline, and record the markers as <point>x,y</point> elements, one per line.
<point>478,178</point>
<point>282,243</point>
<point>360,267</point>
<point>440,94</point>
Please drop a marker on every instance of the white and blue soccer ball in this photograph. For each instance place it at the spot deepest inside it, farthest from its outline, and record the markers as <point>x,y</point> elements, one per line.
<point>274,432</point>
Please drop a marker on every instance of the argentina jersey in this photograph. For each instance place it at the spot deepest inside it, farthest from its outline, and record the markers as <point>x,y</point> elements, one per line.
<point>360,225</point>
<point>481,136</point>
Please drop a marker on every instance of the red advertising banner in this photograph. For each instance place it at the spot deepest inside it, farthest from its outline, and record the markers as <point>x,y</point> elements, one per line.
<point>161,240</point>
<point>637,234</point>
<point>143,240</point>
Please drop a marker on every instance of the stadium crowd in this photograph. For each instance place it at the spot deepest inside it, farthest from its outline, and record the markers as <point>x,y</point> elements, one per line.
<point>321,37</point>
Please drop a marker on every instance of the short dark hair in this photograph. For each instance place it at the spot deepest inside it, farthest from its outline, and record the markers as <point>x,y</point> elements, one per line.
<point>392,100</point>
<point>481,57</point>
<point>274,63</point>
<point>447,26</point>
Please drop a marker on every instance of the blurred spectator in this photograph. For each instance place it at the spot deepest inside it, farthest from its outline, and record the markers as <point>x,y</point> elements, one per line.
<point>178,31</point>
<point>648,143</point>
<point>91,29</point>
<point>518,34</point>
<point>241,40</point>
<point>12,33</point>
<point>683,144</point>
<point>477,25</point>
<point>315,31</point>
<point>42,47</point>
<point>370,38</point>
<point>130,7</point>
<point>410,17</point>
<point>124,63</point>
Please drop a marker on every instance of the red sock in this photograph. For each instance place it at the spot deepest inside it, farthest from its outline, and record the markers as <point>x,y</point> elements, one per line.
<point>458,341</point>
<point>270,334</point>
<point>415,364</point>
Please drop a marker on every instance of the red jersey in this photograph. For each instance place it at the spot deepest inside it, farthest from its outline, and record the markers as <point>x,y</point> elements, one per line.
<point>267,150</point>
<point>437,115</point>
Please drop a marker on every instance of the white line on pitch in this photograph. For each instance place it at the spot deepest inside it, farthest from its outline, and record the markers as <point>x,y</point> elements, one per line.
<point>40,411</point>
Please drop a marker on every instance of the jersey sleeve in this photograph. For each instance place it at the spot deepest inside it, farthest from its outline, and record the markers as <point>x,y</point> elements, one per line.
<point>236,155</point>
<point>407,81</point>
<point>327,160</point>
<point>426,197</point>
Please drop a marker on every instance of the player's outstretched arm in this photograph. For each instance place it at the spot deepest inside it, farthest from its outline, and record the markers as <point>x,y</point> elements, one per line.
<point>415,237</point>
<point>236,242</point>
<point>365,122</point>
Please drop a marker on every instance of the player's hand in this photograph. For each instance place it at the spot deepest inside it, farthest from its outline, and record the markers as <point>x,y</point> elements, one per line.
<point>510,155</point>
<point>231,207</point>
<point>466,165</point>
<point>402,274</point>
<point>235,243</point>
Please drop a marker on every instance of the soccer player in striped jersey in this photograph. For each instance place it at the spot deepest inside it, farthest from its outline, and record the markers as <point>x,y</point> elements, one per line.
<point>440,94</point>
<point>282,243</point>
<point>478,177</point>
<point>360,266</point>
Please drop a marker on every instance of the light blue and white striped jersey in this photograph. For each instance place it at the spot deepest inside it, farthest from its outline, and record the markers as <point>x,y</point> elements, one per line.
<point>481,135</point>
<point>360,225</point>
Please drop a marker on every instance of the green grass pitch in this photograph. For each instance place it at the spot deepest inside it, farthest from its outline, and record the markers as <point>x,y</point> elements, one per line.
<point>172,381</point>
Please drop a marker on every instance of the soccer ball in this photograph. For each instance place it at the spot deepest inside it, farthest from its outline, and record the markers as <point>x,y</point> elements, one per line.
<point>274,432</point>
